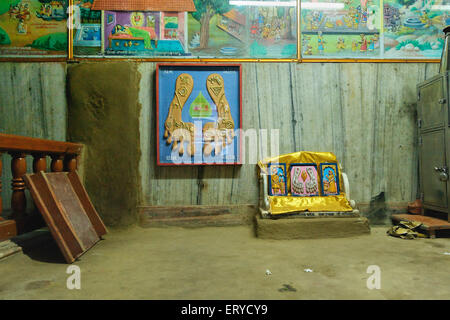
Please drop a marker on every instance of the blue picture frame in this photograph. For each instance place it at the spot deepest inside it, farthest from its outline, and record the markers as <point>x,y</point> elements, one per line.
<point>325,177</point>
<point>317,177</point>
<point>279,174</point>
<point>200,111</point>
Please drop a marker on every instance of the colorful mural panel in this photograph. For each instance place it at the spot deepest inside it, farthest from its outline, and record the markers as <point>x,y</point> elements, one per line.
<point>233,29</point>
<point>217,29</point>
<point>244,29</point>
<point>304,179</point>
<point>33,28</point>
<point>413,28</point>
<point>340,29</point>
<point>199,114</point>
<point>87,34</point>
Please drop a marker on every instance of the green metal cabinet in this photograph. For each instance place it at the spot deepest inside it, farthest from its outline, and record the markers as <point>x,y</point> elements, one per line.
<point>434,142</point>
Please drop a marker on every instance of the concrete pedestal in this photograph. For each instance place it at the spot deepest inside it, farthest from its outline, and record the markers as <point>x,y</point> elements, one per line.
<point>311,228</point>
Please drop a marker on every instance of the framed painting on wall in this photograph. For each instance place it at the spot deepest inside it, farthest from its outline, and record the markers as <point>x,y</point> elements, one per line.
<point>340,29</point>
<point>192,29</point>
<point>238,29</point>
<point>199,114</point>
<point>33,28</point>
<point>413,28</point>
<point>88,25</point>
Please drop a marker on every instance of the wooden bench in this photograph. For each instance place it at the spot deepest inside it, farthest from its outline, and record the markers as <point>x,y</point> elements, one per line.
<point>429,224</point>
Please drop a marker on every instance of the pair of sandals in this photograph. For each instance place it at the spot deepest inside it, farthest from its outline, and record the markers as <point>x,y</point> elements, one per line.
<point>216,135</point>
<point>406,230</point>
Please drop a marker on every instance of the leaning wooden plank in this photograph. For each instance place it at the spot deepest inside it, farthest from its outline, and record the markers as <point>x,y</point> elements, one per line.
<point>92,214</point>
<point>64,217</point>
<point>65,238</point>
<point>72,208</point>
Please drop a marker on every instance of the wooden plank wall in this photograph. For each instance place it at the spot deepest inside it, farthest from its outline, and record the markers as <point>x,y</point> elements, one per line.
<point>32,103</point>
<point>364,113</point>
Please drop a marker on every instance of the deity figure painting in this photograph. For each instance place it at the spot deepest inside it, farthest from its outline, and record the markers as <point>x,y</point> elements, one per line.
<point>277,181</point>
<point>330,179</point>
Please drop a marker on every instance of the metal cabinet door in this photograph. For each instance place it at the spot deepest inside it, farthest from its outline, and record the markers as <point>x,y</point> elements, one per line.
<point>432,159</point>
<point>432,103</point>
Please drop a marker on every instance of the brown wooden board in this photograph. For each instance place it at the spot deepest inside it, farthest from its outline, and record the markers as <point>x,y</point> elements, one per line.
<point>65,214</point>
<point>428,223</point>
<point>92,214</point>
<point>8,229</point>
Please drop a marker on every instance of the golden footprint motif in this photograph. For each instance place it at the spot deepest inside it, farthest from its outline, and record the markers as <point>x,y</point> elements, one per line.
<point>222,131</point>
<point>176,130</point>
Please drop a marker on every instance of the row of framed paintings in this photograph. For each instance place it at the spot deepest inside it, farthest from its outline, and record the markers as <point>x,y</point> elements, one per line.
<point>303,179</point>
<point>224,29</point>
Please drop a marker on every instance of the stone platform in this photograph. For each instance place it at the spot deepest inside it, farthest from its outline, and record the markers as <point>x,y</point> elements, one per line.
<point>311,228</point>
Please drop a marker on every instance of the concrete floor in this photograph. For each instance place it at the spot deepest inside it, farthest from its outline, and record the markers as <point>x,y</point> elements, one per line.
<point>230,263</point>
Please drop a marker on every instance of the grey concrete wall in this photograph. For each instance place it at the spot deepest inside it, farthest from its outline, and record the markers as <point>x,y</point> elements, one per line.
<point>364,113</point>
<point>32,103</point>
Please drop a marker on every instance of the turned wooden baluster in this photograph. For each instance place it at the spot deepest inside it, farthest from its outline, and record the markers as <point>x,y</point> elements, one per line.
<point>57,164</point>
<point>70,163</point>
<point>1,202</point>
<point>39,162</point>
<point>18,200</point>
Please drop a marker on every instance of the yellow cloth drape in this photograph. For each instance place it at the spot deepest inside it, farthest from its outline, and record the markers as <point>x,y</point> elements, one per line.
<point>286,204</point>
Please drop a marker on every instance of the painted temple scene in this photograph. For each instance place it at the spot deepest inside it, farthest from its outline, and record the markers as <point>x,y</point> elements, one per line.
<point>33,27</point>
<point>206,28</point>
<point>243,29</point>
<point>153,28</point>
<point>412,28</point>
<point>341,29</point>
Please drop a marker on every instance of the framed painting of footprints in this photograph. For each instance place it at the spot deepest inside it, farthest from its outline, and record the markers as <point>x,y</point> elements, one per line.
<point>199,114</point>
<point>304,180</point>
<point>330,179</point>
<point>277,179</point>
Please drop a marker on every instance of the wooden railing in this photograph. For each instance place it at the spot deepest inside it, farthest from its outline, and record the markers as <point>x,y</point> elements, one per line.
<point>64,157</point>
